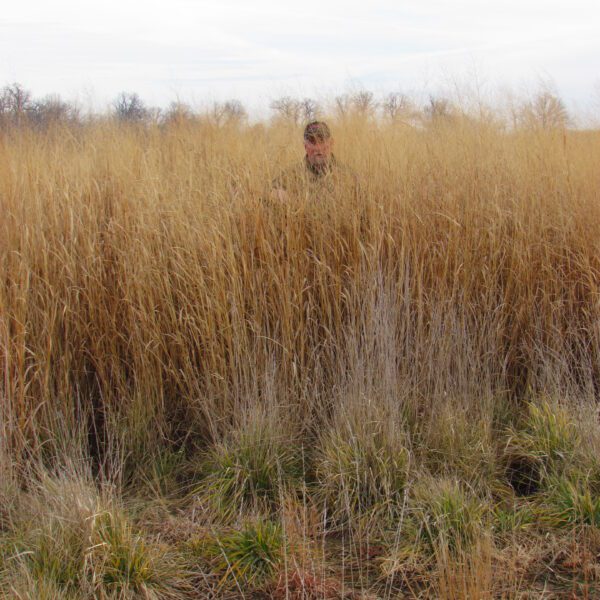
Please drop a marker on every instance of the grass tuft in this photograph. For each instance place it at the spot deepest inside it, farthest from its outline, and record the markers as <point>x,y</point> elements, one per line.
<point>249,471</point>
<point>446,515</point>
<point>74,539</point>
<point>459,444</point>
<point>512,519</point>
<point>570,503</point>
<point>545,446</point>
<point>124,558</point>
<point>249,556</point>
<point>361,470</point>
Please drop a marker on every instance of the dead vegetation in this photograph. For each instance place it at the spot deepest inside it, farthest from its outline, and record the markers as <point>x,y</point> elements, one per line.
<point>386,391</point>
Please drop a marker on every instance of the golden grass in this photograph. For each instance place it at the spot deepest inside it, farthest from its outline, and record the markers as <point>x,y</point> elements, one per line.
<point>154,296</point>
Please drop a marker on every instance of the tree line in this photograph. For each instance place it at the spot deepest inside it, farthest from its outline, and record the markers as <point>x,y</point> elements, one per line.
<point>545,110</point>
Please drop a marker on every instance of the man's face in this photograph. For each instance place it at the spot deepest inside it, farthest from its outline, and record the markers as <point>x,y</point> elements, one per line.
<point>318,150</point>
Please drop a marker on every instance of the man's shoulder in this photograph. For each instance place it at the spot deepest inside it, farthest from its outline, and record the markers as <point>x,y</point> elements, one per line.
<point>299,173</point>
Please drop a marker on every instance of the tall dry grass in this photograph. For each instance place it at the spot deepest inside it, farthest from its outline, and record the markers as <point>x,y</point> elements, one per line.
<point>155,299</point>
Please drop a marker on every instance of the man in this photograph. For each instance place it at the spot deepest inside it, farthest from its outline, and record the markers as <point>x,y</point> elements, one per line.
<point>319,204</point>
<point>319,172</point>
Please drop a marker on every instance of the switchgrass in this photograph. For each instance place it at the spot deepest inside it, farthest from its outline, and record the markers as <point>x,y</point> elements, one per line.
<point>169,326</point>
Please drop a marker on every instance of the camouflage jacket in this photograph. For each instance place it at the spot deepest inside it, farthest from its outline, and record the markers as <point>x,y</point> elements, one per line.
<point>314,199</point>
<point>313,181</point>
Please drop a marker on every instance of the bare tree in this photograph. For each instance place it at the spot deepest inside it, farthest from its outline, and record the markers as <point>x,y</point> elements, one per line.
<point>52,110</point>
<point>546,110</point>
<point>288,108</point>
<point>130,108</point>
<point>398,107</point>
<point>227,113</point>
<point>343,105</point>
<point>363,103</point>
<point>177,114</point>
<point>310,109</point>
<point>16,105</point>
<point>439,110</point>
<point>155,115</point>
<point>217,113</point>
<point>235,112</point>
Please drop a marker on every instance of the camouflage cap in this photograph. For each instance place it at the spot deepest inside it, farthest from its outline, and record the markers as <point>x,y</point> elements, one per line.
<point>316,131</point>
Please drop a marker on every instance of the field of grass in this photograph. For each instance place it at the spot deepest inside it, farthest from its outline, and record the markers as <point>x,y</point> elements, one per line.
<point>388,391</point>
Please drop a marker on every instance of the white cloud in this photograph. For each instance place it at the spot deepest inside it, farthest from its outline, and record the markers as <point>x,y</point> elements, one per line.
<point>199,48</point>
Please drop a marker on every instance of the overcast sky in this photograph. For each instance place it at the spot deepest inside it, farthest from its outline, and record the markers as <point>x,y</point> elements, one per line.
<point>255,50</point>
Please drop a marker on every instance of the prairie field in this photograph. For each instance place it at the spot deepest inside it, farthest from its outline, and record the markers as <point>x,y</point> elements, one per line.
<point>388,390</point>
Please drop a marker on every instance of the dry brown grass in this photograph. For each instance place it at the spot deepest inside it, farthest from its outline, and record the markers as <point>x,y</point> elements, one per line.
<point>154,297</point>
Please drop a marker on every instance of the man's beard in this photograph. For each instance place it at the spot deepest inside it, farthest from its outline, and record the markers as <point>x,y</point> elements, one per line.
<point>320,163</point>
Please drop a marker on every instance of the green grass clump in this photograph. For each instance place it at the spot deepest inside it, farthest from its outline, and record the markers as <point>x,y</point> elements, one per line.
<point>445,515</point>
<point>73,538</point>
<point>570,502</point>
<point>547,445</point>
<point>249,471</point>
<point>125,559</point>
<point>361,470</point>
<point>161,473</point>
<point>56,561</point>
<point>56,553</point>
<point>112,558</point>
<point>248,556</point>
<point>511,519</point>
<point>52,533</point>
<point>459,444</point>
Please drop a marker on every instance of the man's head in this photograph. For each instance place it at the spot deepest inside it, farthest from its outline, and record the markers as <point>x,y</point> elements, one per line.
<point>318,143</point>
